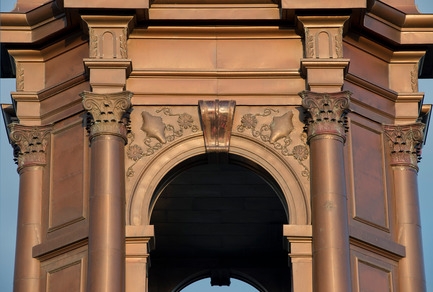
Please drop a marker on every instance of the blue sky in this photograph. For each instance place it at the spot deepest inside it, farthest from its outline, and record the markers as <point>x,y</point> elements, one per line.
<point>9,192</point>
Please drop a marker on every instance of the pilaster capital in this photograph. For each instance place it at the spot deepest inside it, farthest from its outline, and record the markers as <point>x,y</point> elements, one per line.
<point>405,143</point>
<point>29,143</point>
<point>326,113</point>
<point>108,112</point>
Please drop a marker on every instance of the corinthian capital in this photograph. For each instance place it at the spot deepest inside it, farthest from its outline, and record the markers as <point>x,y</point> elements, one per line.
<point>405,143</point>
<point>30,143</point>
<point>326,112</point>
<point>108,112</point>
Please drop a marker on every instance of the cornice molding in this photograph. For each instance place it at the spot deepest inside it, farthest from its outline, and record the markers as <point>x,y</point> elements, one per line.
<point>33,25</point>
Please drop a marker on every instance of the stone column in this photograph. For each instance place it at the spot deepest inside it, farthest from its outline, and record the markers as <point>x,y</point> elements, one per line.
<point>30,143</point>
<point>326,136</point>
<point>405,144</point>
<point>106,267</point>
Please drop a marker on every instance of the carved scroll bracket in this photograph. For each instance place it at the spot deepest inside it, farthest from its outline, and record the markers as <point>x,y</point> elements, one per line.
<point>326,113</point>
<point>217,121</point>
<point>108,112</point>
<point>30,143</point>
<point>405,142</point>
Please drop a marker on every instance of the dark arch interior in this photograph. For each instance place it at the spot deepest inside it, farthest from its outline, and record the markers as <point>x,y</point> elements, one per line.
<point>219,221</point>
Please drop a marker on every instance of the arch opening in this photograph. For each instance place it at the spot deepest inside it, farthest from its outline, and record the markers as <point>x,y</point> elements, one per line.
<point>204,285</point>
<point>221,221</point>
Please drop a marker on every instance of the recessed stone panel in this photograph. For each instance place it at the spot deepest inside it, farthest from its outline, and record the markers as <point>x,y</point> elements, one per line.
<point>67,195</point>
<point>368,185</point>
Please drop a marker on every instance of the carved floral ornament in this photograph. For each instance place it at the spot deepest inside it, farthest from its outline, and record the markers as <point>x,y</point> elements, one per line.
<point>277,134</point>
<point>405,142</point>
<point>157,134</point>
<point>326,113</point>
<point>108,112</point>
<point>30,143</point>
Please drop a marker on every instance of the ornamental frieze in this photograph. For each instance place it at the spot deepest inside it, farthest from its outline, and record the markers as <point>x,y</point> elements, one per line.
<point>154,128</point>
<point>158,127</point>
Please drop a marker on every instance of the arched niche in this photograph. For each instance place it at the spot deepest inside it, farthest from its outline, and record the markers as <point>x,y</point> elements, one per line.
<point>245,150</point>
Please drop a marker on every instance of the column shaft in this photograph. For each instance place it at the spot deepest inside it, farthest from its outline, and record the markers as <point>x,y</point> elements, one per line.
<point>106,268</point>
<point>409,229</point>
<point>27,269</point>
<point>29,144</point>
<point>107,224</point>
<point>331,263</point>
<point>326,136</point>
<point>405,143</point>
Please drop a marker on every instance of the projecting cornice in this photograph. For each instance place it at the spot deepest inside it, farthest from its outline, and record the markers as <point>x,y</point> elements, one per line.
<point>33,25</point>
<point>398,27</point>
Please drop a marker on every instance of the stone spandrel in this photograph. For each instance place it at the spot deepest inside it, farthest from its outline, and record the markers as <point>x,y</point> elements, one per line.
<point>30,144</point>
<point>108,112</point>
<point>405,143</point>
<point>326,112</point>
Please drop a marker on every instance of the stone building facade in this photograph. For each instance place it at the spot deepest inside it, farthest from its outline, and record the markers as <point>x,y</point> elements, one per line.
<point>162,142</point>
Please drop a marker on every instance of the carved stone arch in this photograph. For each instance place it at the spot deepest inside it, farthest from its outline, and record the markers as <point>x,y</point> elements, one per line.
<point>143,195</point>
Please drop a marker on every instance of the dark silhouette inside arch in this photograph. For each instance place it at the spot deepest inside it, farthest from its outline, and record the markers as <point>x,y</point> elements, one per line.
<point>221,221</point>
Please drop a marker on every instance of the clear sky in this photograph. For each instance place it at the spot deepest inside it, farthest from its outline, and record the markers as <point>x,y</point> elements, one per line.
<point>9,192</point>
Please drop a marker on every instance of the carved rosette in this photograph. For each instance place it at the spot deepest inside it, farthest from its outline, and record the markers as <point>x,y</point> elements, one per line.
<point>326,113</point>
<point>108,112</point>
<point>405,143</point>
<point>29,143</point>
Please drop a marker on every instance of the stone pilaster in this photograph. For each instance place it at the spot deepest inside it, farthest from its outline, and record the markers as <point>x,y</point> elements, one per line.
<point>326,136</point>
<point>405,145</point>
<point>106,267</point>
<point>30,144</point>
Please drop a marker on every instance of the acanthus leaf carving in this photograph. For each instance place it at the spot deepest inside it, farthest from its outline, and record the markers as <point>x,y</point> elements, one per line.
<point>277,133</point>
<point>326,112</point>
<point>339,43</point>
<point>122,43</point>
<point>309,43</point>
<point>93,43</point>
<point>108,112</point>
<point>414,78</point>
<point>20,76</point>
<point>405,143</point>
<point>30,144</point>
<point>157,134</point>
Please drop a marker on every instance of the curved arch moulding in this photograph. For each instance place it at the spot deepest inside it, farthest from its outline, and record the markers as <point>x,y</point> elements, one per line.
<point>153,153</point>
